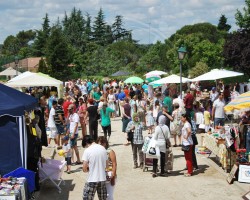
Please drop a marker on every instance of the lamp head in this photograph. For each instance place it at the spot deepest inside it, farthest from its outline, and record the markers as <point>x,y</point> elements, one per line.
<point>182,52</point>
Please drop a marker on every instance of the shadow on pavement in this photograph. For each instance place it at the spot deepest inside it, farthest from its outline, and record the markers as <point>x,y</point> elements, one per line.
<point>49,191</point>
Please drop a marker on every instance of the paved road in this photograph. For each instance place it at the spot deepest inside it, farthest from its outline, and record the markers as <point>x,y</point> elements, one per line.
<point>208,183</point>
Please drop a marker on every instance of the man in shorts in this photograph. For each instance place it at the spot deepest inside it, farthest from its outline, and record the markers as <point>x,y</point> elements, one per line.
<point>94,162</point>
<point>74,121</point>
<point>60,121</point>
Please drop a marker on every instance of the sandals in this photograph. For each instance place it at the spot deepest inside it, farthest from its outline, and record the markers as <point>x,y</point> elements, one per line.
<point>187,175</point>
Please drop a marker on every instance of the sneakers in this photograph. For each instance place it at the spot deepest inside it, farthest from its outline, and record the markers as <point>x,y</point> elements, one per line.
<point>141,165</point>
<point>187,175</point>
<point>154,175</point>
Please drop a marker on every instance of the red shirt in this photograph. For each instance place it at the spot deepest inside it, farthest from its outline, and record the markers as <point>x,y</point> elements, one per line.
<point>126,91</point>
<point>188,101</point>
<point>65,108</point>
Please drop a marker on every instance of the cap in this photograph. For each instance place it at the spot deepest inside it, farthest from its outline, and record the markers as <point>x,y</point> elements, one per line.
<point>213,88</point>
<point>71,106</point>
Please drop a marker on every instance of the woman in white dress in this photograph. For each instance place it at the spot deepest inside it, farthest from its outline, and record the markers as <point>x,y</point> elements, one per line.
<point>111,101</point>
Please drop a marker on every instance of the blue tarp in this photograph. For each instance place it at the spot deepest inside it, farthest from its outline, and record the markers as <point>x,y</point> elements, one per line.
<point>14,102</point>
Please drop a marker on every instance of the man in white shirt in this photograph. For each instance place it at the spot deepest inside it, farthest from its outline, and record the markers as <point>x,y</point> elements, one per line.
<point>74,121</point>
<point>218,113</point>
<point>214,94</point>
<point>51,124</point>
<point>94,162</point>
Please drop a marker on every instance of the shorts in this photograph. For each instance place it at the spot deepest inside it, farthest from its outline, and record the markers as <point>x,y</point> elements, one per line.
<point>73,142</point>
<point>68,160</point>
<point>90,189</point>
<point>53,132</point>
<point>60,129</point>
<point>219,121</point>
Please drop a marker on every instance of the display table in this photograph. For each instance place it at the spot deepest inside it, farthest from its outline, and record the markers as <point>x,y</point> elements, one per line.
<point>227,158</point>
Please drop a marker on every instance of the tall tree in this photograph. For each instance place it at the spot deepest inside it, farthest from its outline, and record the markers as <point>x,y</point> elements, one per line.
<point>243,18</point>
<point>42,67</point>
<point>11,46</point>
<point>119,32</point>
<point>74,28</point>
<point>99,28</point>
<point>42,37</point>
<point>222,25</point>
<point>58,55</point>
<point>87,30</point>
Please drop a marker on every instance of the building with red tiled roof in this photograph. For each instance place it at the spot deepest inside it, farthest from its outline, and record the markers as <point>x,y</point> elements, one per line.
<point>26,64</point>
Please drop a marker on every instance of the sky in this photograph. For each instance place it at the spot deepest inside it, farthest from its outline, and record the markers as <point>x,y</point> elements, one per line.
<point>149,20</point>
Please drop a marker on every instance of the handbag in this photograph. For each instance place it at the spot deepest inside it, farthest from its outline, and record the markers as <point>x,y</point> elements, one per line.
<point>152,151</point>
<point>168,143</point>
<point>130,136</point>
<point>185,148</point>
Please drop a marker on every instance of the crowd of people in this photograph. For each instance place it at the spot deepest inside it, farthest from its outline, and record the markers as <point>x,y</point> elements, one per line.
<point>163,114</point>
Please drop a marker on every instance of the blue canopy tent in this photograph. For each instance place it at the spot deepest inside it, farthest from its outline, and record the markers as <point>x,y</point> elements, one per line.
<point>13,135</point>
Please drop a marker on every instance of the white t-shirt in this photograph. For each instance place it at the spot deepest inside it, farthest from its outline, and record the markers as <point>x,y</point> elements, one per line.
<point>51,120</point>
<point>67,148</point>
<point>96,156</point>
<point>219,108</point>
<point>74,121</point>
<point>184,132</point>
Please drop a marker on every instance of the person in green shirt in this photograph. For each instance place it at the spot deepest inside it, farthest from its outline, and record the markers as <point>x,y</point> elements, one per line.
<point>96,96</point>
<point>168,101</point>
<point>105,119</point>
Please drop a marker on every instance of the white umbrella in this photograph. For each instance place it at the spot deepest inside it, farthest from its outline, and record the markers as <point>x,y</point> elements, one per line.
<point>156,72</point>
<point>170,79</point>
<point>9,72</point>
<point>217,74</point>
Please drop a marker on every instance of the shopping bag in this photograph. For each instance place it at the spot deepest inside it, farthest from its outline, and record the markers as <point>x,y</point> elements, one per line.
<point>152,145</point>
<point>145,144</point>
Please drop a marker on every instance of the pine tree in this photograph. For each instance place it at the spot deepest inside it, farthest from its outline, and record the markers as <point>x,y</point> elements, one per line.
<point>119,32</point>
<point>87,30</point>
<point>99,28</point>
<point>223,26</point>
<point>42,37</point>
<point>42,67</point>
<point>58,55</point>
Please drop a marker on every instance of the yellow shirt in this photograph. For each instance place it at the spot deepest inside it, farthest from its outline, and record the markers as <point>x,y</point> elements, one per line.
<point>207,117</point>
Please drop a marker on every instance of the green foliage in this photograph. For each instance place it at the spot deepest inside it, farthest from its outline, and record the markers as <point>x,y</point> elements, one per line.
<point>58,55</point>
<point>199,69</point>
<point>39,47</point>
<point>223,26</point>
<point>11,46</point>
<point>42,66</point>
<point>243,18</point>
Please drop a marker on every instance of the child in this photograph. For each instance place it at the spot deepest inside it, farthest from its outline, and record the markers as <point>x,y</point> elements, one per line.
<point>156,109</point>
<point>207,118</point>
<point>67,153</point>
<point>150,120</point>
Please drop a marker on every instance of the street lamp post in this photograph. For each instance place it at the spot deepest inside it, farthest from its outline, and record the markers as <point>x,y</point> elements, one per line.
<point>16,64</point>
<point>181,55</point>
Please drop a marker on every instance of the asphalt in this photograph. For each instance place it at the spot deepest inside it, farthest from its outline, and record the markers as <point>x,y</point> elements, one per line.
<point>207,183</point>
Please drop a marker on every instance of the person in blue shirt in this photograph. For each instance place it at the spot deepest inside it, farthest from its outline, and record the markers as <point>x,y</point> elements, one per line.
<point>89,86</point>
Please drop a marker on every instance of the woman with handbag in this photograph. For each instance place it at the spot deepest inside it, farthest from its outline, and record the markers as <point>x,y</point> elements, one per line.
<point>112,167</point>
<point>187,144</point>
<point>161,135</point>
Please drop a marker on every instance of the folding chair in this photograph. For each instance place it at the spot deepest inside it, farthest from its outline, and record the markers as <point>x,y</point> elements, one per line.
<point>52,170</point>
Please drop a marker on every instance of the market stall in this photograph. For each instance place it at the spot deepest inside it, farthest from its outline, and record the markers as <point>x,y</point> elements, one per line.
<point>13,140</point>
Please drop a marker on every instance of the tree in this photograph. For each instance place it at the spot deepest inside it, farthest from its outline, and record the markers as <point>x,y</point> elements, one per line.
<point>119,32</point>
<point>42,67</point>
<point>87,30</point>
<point>243,18</point>
<point>74,28</point>
<point>11,46</point>
<point>237,51</point>
<point>40,42</point>
<point>199,69</point>
<point>223,26</point>
<point>99,28</point>
<point>58,55</point>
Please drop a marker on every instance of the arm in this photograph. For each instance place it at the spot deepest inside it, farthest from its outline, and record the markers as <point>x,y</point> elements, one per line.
<point>114,163</point>
<point>213,111</point>
<point>188,133</point>
<point>85,167</point>
<point>168,116</point>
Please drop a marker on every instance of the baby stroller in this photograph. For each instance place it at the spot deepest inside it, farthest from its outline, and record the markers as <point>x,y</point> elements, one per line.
<point>147,162</point>
<point>52,170</point>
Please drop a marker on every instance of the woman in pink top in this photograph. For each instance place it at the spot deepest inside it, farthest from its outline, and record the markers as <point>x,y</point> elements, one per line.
<point>82,112</point>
